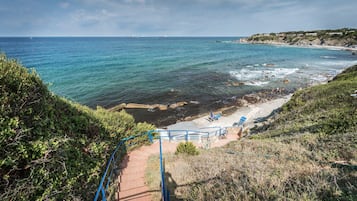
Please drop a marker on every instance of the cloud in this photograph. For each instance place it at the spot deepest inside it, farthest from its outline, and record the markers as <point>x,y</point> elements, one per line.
<point>135,1</point>
<point>172,17</point>
<point>64,5</point>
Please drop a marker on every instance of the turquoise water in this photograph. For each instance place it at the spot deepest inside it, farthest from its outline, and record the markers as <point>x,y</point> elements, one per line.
<point>107,71</point>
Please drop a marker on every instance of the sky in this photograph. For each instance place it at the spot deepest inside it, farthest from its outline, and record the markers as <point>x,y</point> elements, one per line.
<point>171,17</point>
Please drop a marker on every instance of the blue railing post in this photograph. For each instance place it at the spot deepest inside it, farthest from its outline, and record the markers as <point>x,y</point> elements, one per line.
<point>162,172</point>
<point>105,181</point>
<point>150,136</point>
<point>103,195</point>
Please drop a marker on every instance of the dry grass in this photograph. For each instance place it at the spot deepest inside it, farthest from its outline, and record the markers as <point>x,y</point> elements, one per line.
<point>269,169</point>
<point>308,152</point>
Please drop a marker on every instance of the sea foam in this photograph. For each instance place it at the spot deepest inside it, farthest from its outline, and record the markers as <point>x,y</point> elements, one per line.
<point>259,77</point>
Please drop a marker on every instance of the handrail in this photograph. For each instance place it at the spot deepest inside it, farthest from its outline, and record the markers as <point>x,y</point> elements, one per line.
<point>106,178</point>
<point>103,186</point>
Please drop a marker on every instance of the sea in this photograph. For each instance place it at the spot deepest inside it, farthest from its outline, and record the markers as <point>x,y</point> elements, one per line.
<point>107,71</point>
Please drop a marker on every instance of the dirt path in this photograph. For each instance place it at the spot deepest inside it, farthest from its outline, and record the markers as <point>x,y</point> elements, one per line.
<point>132,180</point>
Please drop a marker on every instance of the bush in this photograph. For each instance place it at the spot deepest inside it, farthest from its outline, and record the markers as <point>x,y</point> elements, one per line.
<point>52,148</point>
<point>327,109</point>
<point>187,148</point>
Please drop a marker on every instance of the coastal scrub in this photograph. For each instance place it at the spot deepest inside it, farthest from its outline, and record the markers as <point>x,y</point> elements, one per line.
<point>52,148</point>
<point>307,152</point>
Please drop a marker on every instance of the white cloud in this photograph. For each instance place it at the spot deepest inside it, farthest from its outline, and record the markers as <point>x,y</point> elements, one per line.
<point>174,17</point>
<point>135,1</point>
<point>64,5</point>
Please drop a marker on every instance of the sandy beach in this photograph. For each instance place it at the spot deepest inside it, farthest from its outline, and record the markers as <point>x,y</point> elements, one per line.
<point>252,112</point>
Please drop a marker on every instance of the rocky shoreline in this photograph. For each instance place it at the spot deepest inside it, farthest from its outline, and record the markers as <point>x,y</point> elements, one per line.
<point>163,115</point>
<point>330,47</point>
<point>340,39</point>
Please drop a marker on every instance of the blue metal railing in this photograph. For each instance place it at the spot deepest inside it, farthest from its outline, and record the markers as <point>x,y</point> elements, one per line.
<point>165,194</point>
<point>112,166</point>
<point>171,135</point>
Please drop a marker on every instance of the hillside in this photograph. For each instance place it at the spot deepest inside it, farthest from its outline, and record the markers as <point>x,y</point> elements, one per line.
<point>52,148</point>
<point>324,109</point>
<point>338,37</point>
<point>308,151</point>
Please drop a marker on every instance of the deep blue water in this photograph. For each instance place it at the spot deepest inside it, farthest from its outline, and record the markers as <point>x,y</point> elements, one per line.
<point>110,70</point>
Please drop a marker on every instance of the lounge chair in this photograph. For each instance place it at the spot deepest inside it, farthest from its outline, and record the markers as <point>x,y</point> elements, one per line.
<point>241,122</point>
<point>213,117</point>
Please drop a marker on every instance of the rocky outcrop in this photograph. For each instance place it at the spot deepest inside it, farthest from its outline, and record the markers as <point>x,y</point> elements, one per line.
<point>251,98</point>
<point>340,37</point>
<point>178,104</point>
<point>149,107</point>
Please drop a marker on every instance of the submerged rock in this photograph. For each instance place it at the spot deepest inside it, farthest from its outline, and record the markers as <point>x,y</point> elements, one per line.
<point>234,84</point>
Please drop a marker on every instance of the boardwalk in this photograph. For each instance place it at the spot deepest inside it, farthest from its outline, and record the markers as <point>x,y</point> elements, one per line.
<point>132,182</point>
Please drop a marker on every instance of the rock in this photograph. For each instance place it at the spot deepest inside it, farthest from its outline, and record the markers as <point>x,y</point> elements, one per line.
<point>144,106</point>
<point>242,103</point>
<point>178,104</point>
<point>354,52</point>
<point>237,84</point>
<point>195,102</point>
<point>137,106</point>
<point>286,81</point>
<point>251,98</point>
<point>118,107</point>
<point>234,84</point>
<point>162,107</point>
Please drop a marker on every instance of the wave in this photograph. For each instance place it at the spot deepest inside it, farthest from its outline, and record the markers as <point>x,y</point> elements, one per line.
<point>328,57</point>
<point>263,74</point>
<point>337,63</point>
<point>256,83</point>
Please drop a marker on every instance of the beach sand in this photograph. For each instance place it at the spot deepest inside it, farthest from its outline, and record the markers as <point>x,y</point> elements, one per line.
<point>252,112</point>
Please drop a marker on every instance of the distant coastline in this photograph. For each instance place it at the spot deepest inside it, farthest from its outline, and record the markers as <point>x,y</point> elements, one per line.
<point>329,47</point>
<point>339,39</point>
<point>171,79</point>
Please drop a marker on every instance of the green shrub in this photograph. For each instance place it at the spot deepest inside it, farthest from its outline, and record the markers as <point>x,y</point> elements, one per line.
<point>323,109</point>
<point>187,148</point>
<point>52,148</point>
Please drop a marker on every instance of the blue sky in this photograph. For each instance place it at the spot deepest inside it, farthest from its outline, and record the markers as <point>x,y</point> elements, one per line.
<point>171,17</point>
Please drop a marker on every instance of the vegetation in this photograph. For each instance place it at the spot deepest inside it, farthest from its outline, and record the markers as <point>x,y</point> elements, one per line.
<point>338,37</point>
<point>322,109</point>
<point>187,148</point>
<point>307,152</point>
<point>51,148</point>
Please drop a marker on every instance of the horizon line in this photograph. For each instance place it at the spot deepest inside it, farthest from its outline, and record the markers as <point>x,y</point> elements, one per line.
<point>112,36</point>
